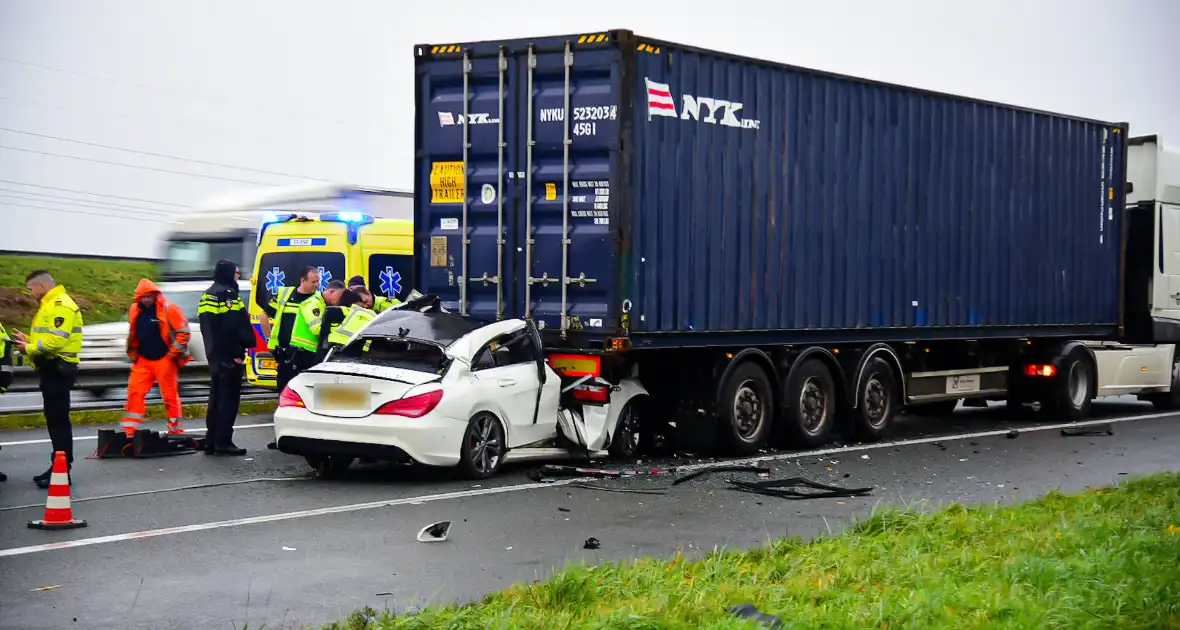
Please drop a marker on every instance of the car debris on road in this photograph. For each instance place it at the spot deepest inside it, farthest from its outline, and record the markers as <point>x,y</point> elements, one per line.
<point>1088,431</point>
<point>434,532</point>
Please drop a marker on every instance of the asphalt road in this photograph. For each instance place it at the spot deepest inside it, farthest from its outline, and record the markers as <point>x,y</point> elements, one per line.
<point>273,547</point>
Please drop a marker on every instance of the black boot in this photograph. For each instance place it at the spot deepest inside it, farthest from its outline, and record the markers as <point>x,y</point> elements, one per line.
<point>42,480</point>
<point>3,477</point>
<point>230,448</point>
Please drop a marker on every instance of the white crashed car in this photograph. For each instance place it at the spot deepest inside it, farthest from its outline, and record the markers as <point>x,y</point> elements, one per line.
<point>444,390</point>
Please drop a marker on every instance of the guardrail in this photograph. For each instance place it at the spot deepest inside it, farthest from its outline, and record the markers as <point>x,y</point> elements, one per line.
<point>99,376</point>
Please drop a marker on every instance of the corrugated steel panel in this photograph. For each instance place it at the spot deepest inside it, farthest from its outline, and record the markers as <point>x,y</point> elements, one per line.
<point>708,193</point>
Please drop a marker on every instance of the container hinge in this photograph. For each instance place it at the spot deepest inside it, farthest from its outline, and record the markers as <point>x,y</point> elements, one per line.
<point>544,280</point>
<point>581,280</point>
<point>569,58</point>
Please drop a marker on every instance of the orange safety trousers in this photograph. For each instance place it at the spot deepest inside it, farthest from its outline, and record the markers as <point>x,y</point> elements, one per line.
<point>144,373</point>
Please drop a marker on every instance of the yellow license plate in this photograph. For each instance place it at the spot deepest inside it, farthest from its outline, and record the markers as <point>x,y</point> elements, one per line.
<point>350,397</point>
<point>268,364</point>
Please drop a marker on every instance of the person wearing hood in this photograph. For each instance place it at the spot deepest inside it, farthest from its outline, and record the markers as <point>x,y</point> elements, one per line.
<point>227,333</point>
<point>158,346</point>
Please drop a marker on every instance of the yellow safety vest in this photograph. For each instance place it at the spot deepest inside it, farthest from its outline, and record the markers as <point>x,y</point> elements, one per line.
<point>382,304</point>
<point>357,318</point>
<point>309,316</point>
<point>57,328</point>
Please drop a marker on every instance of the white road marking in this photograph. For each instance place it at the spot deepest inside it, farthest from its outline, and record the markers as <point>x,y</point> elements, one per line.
<point>78,438</point>
<point>196,486</point>
<point>418,500</point>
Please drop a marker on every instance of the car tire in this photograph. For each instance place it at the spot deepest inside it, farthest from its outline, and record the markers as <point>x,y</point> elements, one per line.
<point>746,409</point>
<point>484,445</point>
<point>876,402</point>
<point>800,427</point>
<point>628,440</point>
<point>329,466</point>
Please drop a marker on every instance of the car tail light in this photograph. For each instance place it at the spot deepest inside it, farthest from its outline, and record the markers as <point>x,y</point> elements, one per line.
<point>412,407</point>
<point>290,399</point>
<point>592,393</point>
<point>1040,370</point>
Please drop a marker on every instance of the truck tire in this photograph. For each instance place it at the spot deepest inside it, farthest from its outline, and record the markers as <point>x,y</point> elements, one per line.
<point>876,402</point>
<point>809,404</point>
<point>746,409</point>
<point>1071,393</point>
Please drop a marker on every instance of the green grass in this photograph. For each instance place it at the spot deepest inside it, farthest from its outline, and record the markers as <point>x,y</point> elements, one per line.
<point>102,288</point>
<point>18,421</point>
<point>1105,558</point>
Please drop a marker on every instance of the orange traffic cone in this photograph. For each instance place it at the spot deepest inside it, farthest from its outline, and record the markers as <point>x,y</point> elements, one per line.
<point>58,514</point>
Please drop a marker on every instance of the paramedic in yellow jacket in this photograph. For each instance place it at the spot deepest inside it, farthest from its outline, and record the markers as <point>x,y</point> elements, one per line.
<point>6,367</point>
<point>52,346</point>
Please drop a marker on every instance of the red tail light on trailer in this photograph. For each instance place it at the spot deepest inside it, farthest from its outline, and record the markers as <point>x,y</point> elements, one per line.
<point>1040,370</point>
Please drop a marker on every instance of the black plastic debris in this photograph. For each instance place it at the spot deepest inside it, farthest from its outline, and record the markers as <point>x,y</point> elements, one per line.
<point>760,470</point>
<point>274,446</point>
<point>1013,434</point>
<point>1096,429</point>
<point>561,509</point>
<point>587,486</point>
<point>435,532</point>
<point>788,489</point>
<point>552,470</point>
<point>591,543</point>
<point>749,611</point>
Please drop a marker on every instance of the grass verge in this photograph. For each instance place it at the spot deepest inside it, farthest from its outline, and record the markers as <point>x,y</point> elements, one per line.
<point>1105,558</point>
<point>113,416</point>
<point>102,288</point>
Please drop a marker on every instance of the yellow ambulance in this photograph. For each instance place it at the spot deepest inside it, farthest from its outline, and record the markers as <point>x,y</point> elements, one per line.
<point>341,245</point>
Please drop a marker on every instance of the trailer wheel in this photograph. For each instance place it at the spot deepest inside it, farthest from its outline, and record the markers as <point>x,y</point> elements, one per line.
<point>746,408</point>
<point>809,404</point>
<point>876,402</point>
<point>1071,393</point>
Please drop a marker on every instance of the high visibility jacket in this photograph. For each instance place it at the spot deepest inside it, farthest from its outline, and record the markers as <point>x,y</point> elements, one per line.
<point>356,319</point>
<point>5,360</point>
<point>382,304</point>
<point>309,315</point>
<point>173,324</point>
<point>57,328</point>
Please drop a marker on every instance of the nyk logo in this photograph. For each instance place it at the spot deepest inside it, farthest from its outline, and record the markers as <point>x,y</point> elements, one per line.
<point>715,111</point>
<point>447,119</point>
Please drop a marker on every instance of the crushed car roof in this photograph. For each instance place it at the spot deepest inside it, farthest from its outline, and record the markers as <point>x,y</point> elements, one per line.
<point>436,327</point>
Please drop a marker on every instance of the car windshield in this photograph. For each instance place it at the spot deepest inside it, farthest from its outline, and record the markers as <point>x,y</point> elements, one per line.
<point>393,352</point>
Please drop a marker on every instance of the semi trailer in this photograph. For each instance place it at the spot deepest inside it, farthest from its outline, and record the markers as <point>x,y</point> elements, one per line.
<point>778,253</point>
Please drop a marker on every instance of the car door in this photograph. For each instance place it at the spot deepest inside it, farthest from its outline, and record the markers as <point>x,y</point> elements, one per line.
<point>508,374</point>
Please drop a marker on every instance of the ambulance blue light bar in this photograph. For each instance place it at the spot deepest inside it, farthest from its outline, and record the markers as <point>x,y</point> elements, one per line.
<point>354,221</point>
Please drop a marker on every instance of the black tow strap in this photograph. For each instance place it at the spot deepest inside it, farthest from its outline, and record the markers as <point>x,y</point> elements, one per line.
<point>787,489</point>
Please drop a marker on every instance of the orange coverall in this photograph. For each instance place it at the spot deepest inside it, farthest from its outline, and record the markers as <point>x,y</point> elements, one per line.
<point>164,372</point>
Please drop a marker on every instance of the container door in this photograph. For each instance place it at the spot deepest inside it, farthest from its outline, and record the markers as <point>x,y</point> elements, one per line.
<point>517,149</point>
<point>469,105</point>
<point>570,143</point>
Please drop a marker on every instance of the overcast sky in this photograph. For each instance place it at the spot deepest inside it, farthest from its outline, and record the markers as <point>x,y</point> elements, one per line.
<point>278,90</point>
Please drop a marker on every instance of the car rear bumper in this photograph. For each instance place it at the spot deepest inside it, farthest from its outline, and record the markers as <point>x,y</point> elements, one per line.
<point>434,442</point>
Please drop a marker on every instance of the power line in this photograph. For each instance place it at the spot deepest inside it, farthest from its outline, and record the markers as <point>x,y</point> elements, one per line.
<point>94,214</point>
<point>145,168</point>
<point>36,196</point>
<point>162,155</point>
<point>89,206</point>
<point>86,192</point>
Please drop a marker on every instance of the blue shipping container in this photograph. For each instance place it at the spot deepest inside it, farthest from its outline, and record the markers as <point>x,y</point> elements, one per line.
<point>613,185</point>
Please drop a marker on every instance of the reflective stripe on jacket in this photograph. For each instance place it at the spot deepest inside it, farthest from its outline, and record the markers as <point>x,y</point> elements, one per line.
<point>309,315</point>
<point>358,316</point>
<point>57,328</point>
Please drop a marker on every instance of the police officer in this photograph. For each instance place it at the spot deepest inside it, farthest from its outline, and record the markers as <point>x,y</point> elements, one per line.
<point>376,303</point>
<point>53,345</point>
<point>227,334</point>
<point>355,318</point>
<point>6,366</point>
<point>300,312</point>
